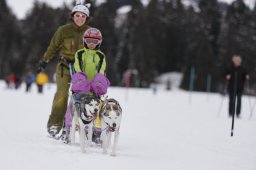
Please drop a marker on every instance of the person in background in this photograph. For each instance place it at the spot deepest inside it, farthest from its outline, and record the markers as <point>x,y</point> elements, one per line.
<point>236,76</point>
<point>66,41</point>
<point>11,81</point>
<point>41,80</point>
<point>17,82</point>
<point>29,80</point>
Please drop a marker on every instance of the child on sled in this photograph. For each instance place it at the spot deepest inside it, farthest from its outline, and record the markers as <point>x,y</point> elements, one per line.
<point>89,77</point>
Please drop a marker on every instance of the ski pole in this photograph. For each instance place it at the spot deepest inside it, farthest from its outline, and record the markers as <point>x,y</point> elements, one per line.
<point>234,105</point>
<point>249,98</point>
<point>70,69</point>
<point>223,93</point>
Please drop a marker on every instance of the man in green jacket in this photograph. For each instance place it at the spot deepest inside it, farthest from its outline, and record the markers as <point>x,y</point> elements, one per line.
<point>66,41</point>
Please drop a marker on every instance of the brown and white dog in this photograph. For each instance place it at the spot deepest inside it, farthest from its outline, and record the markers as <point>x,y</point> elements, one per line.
<point>111,115</point>
<point>84,112</point>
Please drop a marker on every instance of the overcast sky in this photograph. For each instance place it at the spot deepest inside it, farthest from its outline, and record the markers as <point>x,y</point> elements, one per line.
<point>21,7</point>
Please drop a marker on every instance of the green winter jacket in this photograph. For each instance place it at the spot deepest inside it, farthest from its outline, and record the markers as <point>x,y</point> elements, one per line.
<point>90,62</point>
<point>66,41</point>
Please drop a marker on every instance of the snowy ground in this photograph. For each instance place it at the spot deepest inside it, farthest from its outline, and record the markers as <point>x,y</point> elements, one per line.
<point>163,131</point>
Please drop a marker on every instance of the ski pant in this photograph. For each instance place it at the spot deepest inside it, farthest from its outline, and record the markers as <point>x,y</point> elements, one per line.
<point>40,88</point>
<point>68,117</point>
<point>59,104</point>
<point>28,87</point>
<point>232,105</point>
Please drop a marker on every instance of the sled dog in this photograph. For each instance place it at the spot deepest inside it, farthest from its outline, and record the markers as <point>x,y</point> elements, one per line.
<point>111,114</point>
<point>84,112</point>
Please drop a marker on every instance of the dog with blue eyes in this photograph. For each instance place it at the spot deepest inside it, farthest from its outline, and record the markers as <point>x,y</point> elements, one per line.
<point>111,115</point>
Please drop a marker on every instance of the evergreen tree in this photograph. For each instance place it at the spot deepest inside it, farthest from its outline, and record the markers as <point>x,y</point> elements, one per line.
<point>38,29</point>
<point>202,49</point>
<point>128,39</point>
<point>10,41</point>
<point>173,20</point>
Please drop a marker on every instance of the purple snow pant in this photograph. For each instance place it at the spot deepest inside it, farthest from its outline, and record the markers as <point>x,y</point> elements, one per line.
<point>68,115</point>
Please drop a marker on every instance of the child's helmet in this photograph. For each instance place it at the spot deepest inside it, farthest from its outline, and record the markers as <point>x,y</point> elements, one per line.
<point>92,35</point>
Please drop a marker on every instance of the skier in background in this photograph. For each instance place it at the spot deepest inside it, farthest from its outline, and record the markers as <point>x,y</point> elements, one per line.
<point>236,76</point>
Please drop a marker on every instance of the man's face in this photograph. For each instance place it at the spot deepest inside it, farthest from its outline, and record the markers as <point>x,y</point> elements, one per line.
<point>237,60</point>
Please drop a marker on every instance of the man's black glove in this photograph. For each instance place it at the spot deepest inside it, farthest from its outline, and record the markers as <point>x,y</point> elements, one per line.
<point>41,66</point>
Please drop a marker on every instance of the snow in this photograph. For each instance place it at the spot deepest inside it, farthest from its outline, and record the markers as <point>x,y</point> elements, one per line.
<point>174,78</point>
<point>163,131</point>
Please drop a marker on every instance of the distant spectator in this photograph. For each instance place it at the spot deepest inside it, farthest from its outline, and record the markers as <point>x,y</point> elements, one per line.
<point>11,81</point>
<point>41,79</point>
<point>154,87</point>
<point>17,82</point>
<point>29,80</point>
<point>236,76</point>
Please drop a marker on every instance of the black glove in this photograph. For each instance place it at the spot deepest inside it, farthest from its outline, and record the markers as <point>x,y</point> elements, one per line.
<point>41,66</point>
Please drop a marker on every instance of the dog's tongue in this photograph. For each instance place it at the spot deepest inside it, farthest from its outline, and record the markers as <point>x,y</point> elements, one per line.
<point>111,129</point>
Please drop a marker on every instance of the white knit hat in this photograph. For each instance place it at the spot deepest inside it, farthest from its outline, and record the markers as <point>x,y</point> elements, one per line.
<point>79,7</point>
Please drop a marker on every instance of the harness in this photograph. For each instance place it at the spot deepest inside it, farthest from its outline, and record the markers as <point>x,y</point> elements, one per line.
<point>64,62</point>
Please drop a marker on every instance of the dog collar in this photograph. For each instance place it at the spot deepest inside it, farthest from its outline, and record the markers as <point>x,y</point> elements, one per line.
<point>86,122</point>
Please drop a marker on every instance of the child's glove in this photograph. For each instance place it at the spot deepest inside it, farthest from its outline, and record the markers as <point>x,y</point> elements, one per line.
<point>100,84</point>
<point>79,83</point>
<point>41,66</point>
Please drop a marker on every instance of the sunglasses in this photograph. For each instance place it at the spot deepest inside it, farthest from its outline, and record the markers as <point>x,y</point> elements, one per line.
<point>80,15</point>
<point>91,41</point>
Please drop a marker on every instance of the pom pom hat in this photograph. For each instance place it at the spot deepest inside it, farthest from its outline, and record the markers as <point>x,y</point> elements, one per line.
<point>80,7</point>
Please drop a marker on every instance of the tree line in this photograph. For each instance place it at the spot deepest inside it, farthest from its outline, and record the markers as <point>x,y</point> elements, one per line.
<point>161,37</point>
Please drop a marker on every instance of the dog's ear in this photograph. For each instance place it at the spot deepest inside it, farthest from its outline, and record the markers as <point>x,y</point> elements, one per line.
<point>106,113</point>
<point>82,107</point>
<point>119,111</point>
<point>118,107</point>
<point>103,107</point>
<point>97,99</point>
